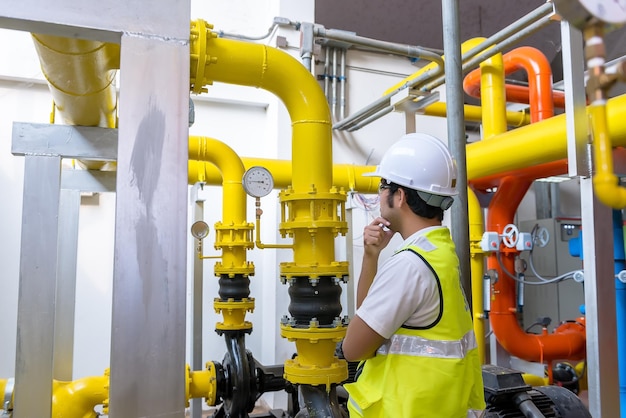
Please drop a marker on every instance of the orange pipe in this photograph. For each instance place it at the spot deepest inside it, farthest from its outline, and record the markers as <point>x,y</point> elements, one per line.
<point>540,84</point>
<point>553,168</point>
<point>565,342</point>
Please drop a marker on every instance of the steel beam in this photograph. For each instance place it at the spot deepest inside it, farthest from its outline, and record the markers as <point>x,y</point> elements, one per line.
<point>97,20</point>
<point>37,287</point>
<point>601,321</point>
<point>149,283</point>
<point>65,303</point>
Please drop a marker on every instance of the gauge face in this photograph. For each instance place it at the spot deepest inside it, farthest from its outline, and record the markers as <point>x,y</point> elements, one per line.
<point>200,230</point>
<point>257,181</point>
<point>609,11</point>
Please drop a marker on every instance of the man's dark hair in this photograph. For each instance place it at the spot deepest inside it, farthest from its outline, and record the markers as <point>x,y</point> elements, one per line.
<point>415,202</point>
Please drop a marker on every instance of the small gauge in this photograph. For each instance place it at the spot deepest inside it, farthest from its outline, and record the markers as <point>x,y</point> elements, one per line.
<point>579,12</point>
<point>257,181</point>
<point>200,230</point>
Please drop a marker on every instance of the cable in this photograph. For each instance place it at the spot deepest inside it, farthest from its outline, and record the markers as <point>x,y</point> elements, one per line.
<point>568,275</point>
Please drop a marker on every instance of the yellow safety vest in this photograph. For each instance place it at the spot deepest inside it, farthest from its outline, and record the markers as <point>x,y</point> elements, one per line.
<point>426,372</point>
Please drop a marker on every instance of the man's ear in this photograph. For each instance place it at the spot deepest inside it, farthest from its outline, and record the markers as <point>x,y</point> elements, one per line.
<point>402,194</point>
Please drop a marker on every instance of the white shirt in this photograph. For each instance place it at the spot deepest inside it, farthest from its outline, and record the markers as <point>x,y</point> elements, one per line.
<point>404,291</point>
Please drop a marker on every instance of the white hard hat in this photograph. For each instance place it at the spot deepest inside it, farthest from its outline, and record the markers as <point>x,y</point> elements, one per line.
<point>423,163</point>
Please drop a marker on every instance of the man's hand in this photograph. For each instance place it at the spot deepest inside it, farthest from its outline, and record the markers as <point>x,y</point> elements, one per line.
<point>376,236</point>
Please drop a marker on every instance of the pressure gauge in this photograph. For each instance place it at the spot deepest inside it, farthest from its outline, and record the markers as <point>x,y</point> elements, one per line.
<point>578,12</point>
<point>200,230</point>
<point>257,181</point>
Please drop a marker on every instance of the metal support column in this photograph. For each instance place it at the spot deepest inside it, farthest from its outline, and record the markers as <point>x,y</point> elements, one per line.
<point>37,288</point>
<point>456,136</point>
<point>149,283</point>
<point>603,381</point>
<point>66,285</point>
<point>196,300</point>
<point>575,100</point>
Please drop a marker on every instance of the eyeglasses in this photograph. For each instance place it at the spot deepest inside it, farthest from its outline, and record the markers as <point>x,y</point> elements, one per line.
<point>384,184</point>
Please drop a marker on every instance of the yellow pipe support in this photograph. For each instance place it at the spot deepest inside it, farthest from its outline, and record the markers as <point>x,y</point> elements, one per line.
<point>81,77</point>
<point>477,267</point>
<point>311,199</point>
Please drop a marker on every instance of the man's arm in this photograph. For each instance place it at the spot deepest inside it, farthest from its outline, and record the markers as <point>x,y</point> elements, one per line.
<point>375,238</point>
<point>361,341</point>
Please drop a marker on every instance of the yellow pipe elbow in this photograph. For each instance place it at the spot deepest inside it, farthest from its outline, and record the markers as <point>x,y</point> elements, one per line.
<point>78,398</point>
<point>605,182</point>
<point>256,65</point>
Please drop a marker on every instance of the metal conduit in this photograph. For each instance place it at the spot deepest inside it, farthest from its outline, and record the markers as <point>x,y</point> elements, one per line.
<point>510,35</point>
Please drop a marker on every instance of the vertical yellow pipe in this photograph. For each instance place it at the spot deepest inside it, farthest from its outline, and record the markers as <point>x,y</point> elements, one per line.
<point>494,122</point>
<point>477,268</point>
<point>605,181</point>
<point>233,234</point>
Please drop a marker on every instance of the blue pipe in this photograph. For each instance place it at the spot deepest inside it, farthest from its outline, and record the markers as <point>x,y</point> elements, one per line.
<point>619,257</point>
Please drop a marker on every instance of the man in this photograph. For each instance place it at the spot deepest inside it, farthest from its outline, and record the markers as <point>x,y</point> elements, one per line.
<point>412,326</point>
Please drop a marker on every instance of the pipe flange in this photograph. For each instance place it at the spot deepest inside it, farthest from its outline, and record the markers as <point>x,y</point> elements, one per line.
<point>296,373</point>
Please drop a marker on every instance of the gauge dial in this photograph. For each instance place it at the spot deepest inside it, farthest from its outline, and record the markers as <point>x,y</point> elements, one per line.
<point>609,11</point>
<point>200,230</point>
<point>579,12</point>
<point>257,181</point>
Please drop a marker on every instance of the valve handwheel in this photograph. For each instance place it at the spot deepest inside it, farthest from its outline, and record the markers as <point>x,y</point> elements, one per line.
<point>510,235</point>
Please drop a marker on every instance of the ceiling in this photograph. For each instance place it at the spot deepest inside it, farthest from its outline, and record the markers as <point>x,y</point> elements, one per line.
<point>419,23</point>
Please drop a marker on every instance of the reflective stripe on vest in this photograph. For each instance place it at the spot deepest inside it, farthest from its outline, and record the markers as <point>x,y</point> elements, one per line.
<point>418,346</point>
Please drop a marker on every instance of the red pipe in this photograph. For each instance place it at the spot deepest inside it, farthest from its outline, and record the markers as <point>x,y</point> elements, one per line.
<point>565,342</point>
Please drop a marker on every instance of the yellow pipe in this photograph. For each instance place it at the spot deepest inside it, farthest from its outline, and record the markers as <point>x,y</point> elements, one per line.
<point>475,114</point>
<point>233,234</point>
<point>78,398</point>
<point>534,380</point>
<point>312,209</point>
<point>477,268</point>
<point>81,77</point>
<point>347,176</point>
<point>537,143</point>
<point>605,181</point>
